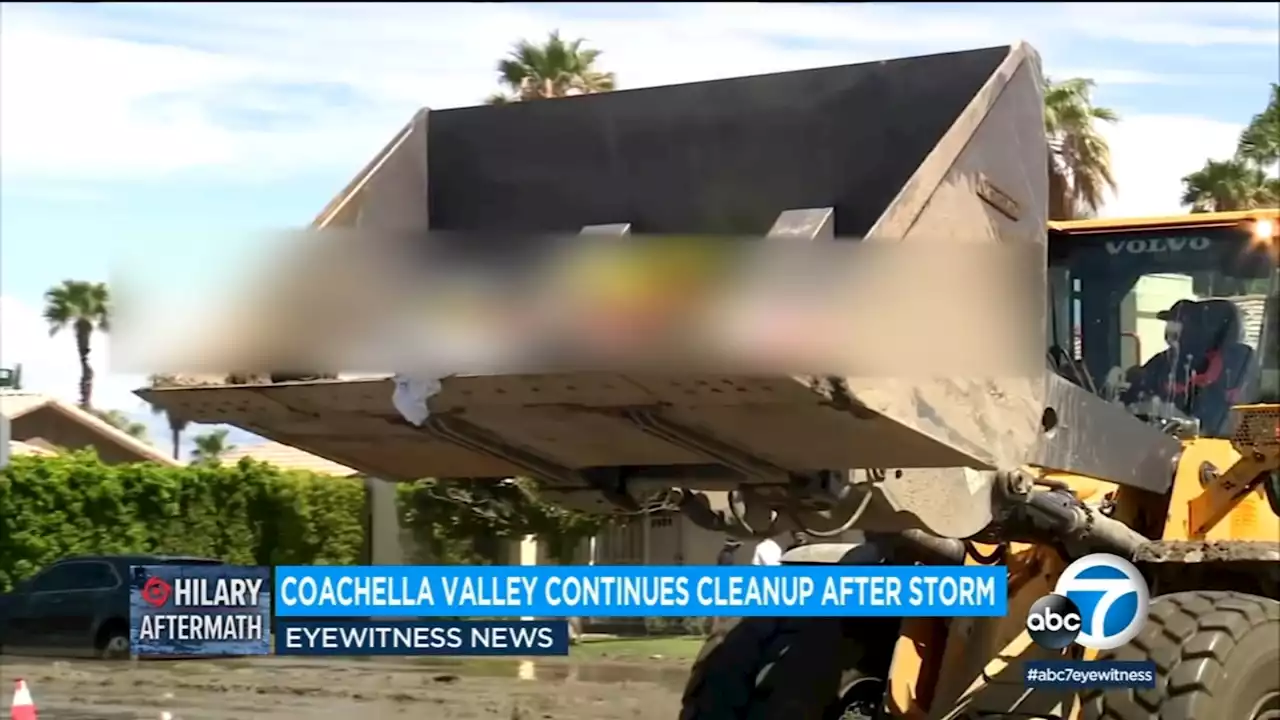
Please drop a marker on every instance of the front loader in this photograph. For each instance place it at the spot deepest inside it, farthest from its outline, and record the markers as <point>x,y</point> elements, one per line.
<point>1031,471</point>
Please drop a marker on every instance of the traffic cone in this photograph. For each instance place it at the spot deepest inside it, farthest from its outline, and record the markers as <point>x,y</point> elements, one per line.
<point>23,707</point>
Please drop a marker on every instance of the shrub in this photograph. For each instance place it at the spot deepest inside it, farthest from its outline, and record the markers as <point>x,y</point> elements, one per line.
<point>249,513</point>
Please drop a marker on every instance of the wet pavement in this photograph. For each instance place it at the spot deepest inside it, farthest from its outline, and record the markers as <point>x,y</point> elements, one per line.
<point>371,688</point>
<point>535,671</point>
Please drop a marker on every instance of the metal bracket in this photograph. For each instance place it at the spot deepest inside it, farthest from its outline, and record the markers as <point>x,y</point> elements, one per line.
<point>806,224</point>
<point>613,230</point>
<point>1228,489</point>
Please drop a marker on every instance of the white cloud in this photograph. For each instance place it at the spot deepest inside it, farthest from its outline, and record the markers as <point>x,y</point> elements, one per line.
<point>1150,154</point>
<point>1188,24</point>
<point>80,101</point>
<point>1114,76</point>
<point>83,110</point>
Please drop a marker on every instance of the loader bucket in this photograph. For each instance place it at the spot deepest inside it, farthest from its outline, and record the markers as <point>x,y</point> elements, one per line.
<point>935,149</point>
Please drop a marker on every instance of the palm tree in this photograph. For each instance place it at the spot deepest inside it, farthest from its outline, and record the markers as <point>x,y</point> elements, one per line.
<point>556,68</point>
<point>1223,185</point>
<point>177,425</point>
<point>122,422</point>
<point>1246,181</point>
<point>210,447</point>
<point>1260,141</point>
<point>83,307</point>
<point>1079,157</point>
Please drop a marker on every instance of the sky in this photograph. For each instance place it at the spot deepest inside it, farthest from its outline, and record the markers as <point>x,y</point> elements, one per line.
<point>166,137</point>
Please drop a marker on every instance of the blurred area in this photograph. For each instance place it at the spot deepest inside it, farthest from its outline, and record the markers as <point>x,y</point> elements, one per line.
<point>446,303</point>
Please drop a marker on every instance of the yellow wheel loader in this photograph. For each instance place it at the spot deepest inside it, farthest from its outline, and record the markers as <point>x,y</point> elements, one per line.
<point>1148,433</point>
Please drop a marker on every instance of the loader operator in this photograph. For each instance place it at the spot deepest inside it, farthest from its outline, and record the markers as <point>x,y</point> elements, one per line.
<point>1205,367</point>
<point>1153,378</point>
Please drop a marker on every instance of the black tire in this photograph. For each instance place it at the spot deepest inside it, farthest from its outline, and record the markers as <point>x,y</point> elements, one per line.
<point>112,642</point>
<point>787,669</point>
<point>1217,655</point>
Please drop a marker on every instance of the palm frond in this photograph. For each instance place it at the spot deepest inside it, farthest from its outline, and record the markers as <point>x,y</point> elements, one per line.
<point>1080,174</point>
<point>553,69</point>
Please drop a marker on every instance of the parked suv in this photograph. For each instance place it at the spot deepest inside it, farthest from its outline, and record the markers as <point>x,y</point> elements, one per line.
<point>76,606</point>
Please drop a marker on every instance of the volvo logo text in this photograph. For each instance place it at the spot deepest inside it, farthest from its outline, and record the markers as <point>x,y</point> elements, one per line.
<point>1143,246</point>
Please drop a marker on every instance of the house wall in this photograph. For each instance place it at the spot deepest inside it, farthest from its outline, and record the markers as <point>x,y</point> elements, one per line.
<point>57,429</point>
<point>672,539</point>
<point>621,543</point>
<point>385,539</point>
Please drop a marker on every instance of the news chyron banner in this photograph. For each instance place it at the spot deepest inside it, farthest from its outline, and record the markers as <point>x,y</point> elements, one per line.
<point>437,610</point>
<point>642,591</point>
<point>317,607</point>
<point>210,610</point>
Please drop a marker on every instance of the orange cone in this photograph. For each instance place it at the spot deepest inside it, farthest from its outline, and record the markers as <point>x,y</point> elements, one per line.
<point>23,707</point>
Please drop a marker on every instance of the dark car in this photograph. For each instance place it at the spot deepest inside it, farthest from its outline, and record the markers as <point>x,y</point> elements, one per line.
<point>76,606</point>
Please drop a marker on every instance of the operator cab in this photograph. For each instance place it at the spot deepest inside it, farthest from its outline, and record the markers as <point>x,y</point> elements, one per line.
<point>1166,316</point>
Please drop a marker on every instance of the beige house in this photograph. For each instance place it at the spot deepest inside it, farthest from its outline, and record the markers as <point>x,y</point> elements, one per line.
<point>42,425</point>
<point>286,457</point>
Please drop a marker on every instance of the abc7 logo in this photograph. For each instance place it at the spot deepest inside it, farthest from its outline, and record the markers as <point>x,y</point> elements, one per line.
<point>1054,622</point>
<point>1112,594</point>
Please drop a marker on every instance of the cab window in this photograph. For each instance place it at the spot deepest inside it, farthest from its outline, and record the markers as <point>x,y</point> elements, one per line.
<point>1167,322</point>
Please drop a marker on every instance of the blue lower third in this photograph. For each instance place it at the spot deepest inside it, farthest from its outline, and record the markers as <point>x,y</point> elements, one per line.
<point>422,637</point>
<point>649,591</point>
<point>1089,674</point>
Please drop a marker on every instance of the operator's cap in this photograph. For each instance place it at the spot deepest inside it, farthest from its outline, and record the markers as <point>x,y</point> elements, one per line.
<point>1176,311</point>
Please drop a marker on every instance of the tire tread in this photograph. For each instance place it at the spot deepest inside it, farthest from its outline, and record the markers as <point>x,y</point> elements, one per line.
<point>1189,637</point>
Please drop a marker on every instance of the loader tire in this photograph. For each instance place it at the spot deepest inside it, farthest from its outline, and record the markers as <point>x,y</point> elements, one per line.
<point>1217,655</point>
<point>788,669</point>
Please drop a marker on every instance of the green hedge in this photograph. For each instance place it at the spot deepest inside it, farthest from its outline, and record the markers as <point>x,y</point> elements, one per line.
<point>249,513</point>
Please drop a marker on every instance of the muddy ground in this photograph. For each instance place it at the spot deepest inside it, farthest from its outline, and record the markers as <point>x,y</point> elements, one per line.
<point>362,689</point>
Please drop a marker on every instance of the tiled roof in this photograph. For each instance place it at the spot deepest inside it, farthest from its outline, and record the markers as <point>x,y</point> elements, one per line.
<point>15,404</point>
<point>288,458</point>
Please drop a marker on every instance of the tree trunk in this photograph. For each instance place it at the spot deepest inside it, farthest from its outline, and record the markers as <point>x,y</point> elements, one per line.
<point>1061,202</point>
<point>175,434</point>
<point>84,333</point>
